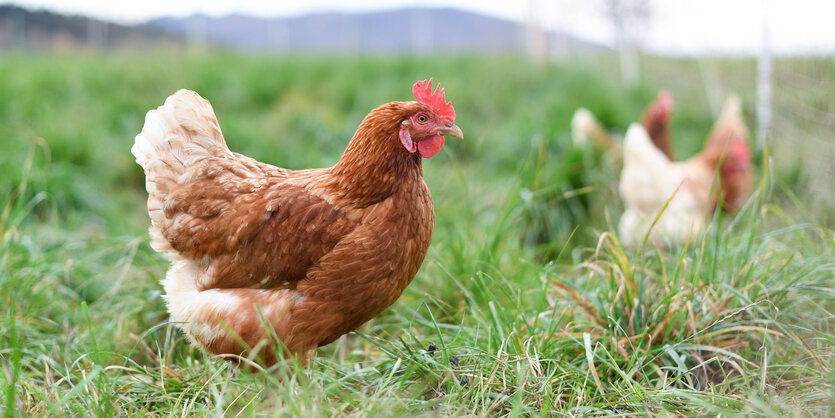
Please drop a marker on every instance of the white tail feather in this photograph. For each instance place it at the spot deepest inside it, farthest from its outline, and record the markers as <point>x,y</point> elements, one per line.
<point>582,126</point>
<point>732,109</point>
<point>179,133</point>
<point>175,136</point>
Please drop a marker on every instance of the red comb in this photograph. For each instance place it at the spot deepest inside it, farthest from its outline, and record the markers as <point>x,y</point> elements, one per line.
<point>435,100</point>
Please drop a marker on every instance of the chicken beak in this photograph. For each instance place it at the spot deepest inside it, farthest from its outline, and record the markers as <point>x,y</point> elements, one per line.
<point>451,130</point>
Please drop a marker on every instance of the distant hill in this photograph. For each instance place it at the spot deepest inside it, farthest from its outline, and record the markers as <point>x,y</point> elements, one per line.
<point>21,28</point>
<point>413,30</point>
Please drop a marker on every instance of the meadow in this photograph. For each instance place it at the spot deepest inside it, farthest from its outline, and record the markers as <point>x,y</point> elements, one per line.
<point>526,303</point>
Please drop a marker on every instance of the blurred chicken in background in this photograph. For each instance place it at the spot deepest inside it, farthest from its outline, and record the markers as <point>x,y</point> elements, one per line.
<point>650,178</point>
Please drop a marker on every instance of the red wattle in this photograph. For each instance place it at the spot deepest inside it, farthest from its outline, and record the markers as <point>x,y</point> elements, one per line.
<point>430,146</point>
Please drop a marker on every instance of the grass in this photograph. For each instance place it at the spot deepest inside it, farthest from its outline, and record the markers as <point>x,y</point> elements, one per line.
<point>526,304</point>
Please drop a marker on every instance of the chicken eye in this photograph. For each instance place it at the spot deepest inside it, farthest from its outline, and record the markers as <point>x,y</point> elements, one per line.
<point>423,118</point>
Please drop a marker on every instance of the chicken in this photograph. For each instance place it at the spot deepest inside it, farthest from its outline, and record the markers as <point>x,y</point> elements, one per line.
<point>656,120</point>
<point>307,255</point>
<point>649,179</point>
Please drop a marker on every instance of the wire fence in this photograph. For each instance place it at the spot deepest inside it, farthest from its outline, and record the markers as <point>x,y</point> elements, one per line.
<point>803,128</point>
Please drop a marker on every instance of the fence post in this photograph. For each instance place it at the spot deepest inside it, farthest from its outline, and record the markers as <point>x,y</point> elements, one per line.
<point>764,80</point>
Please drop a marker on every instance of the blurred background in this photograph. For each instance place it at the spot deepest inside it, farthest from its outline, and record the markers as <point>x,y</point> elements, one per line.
<point>78,76</point>
<point>291,80</point>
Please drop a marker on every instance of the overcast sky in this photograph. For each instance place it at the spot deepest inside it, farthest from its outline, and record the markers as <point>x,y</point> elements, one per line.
<point>675,26</point>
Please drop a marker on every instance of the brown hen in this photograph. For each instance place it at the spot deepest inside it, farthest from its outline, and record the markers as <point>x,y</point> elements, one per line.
<point>309,255</point>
